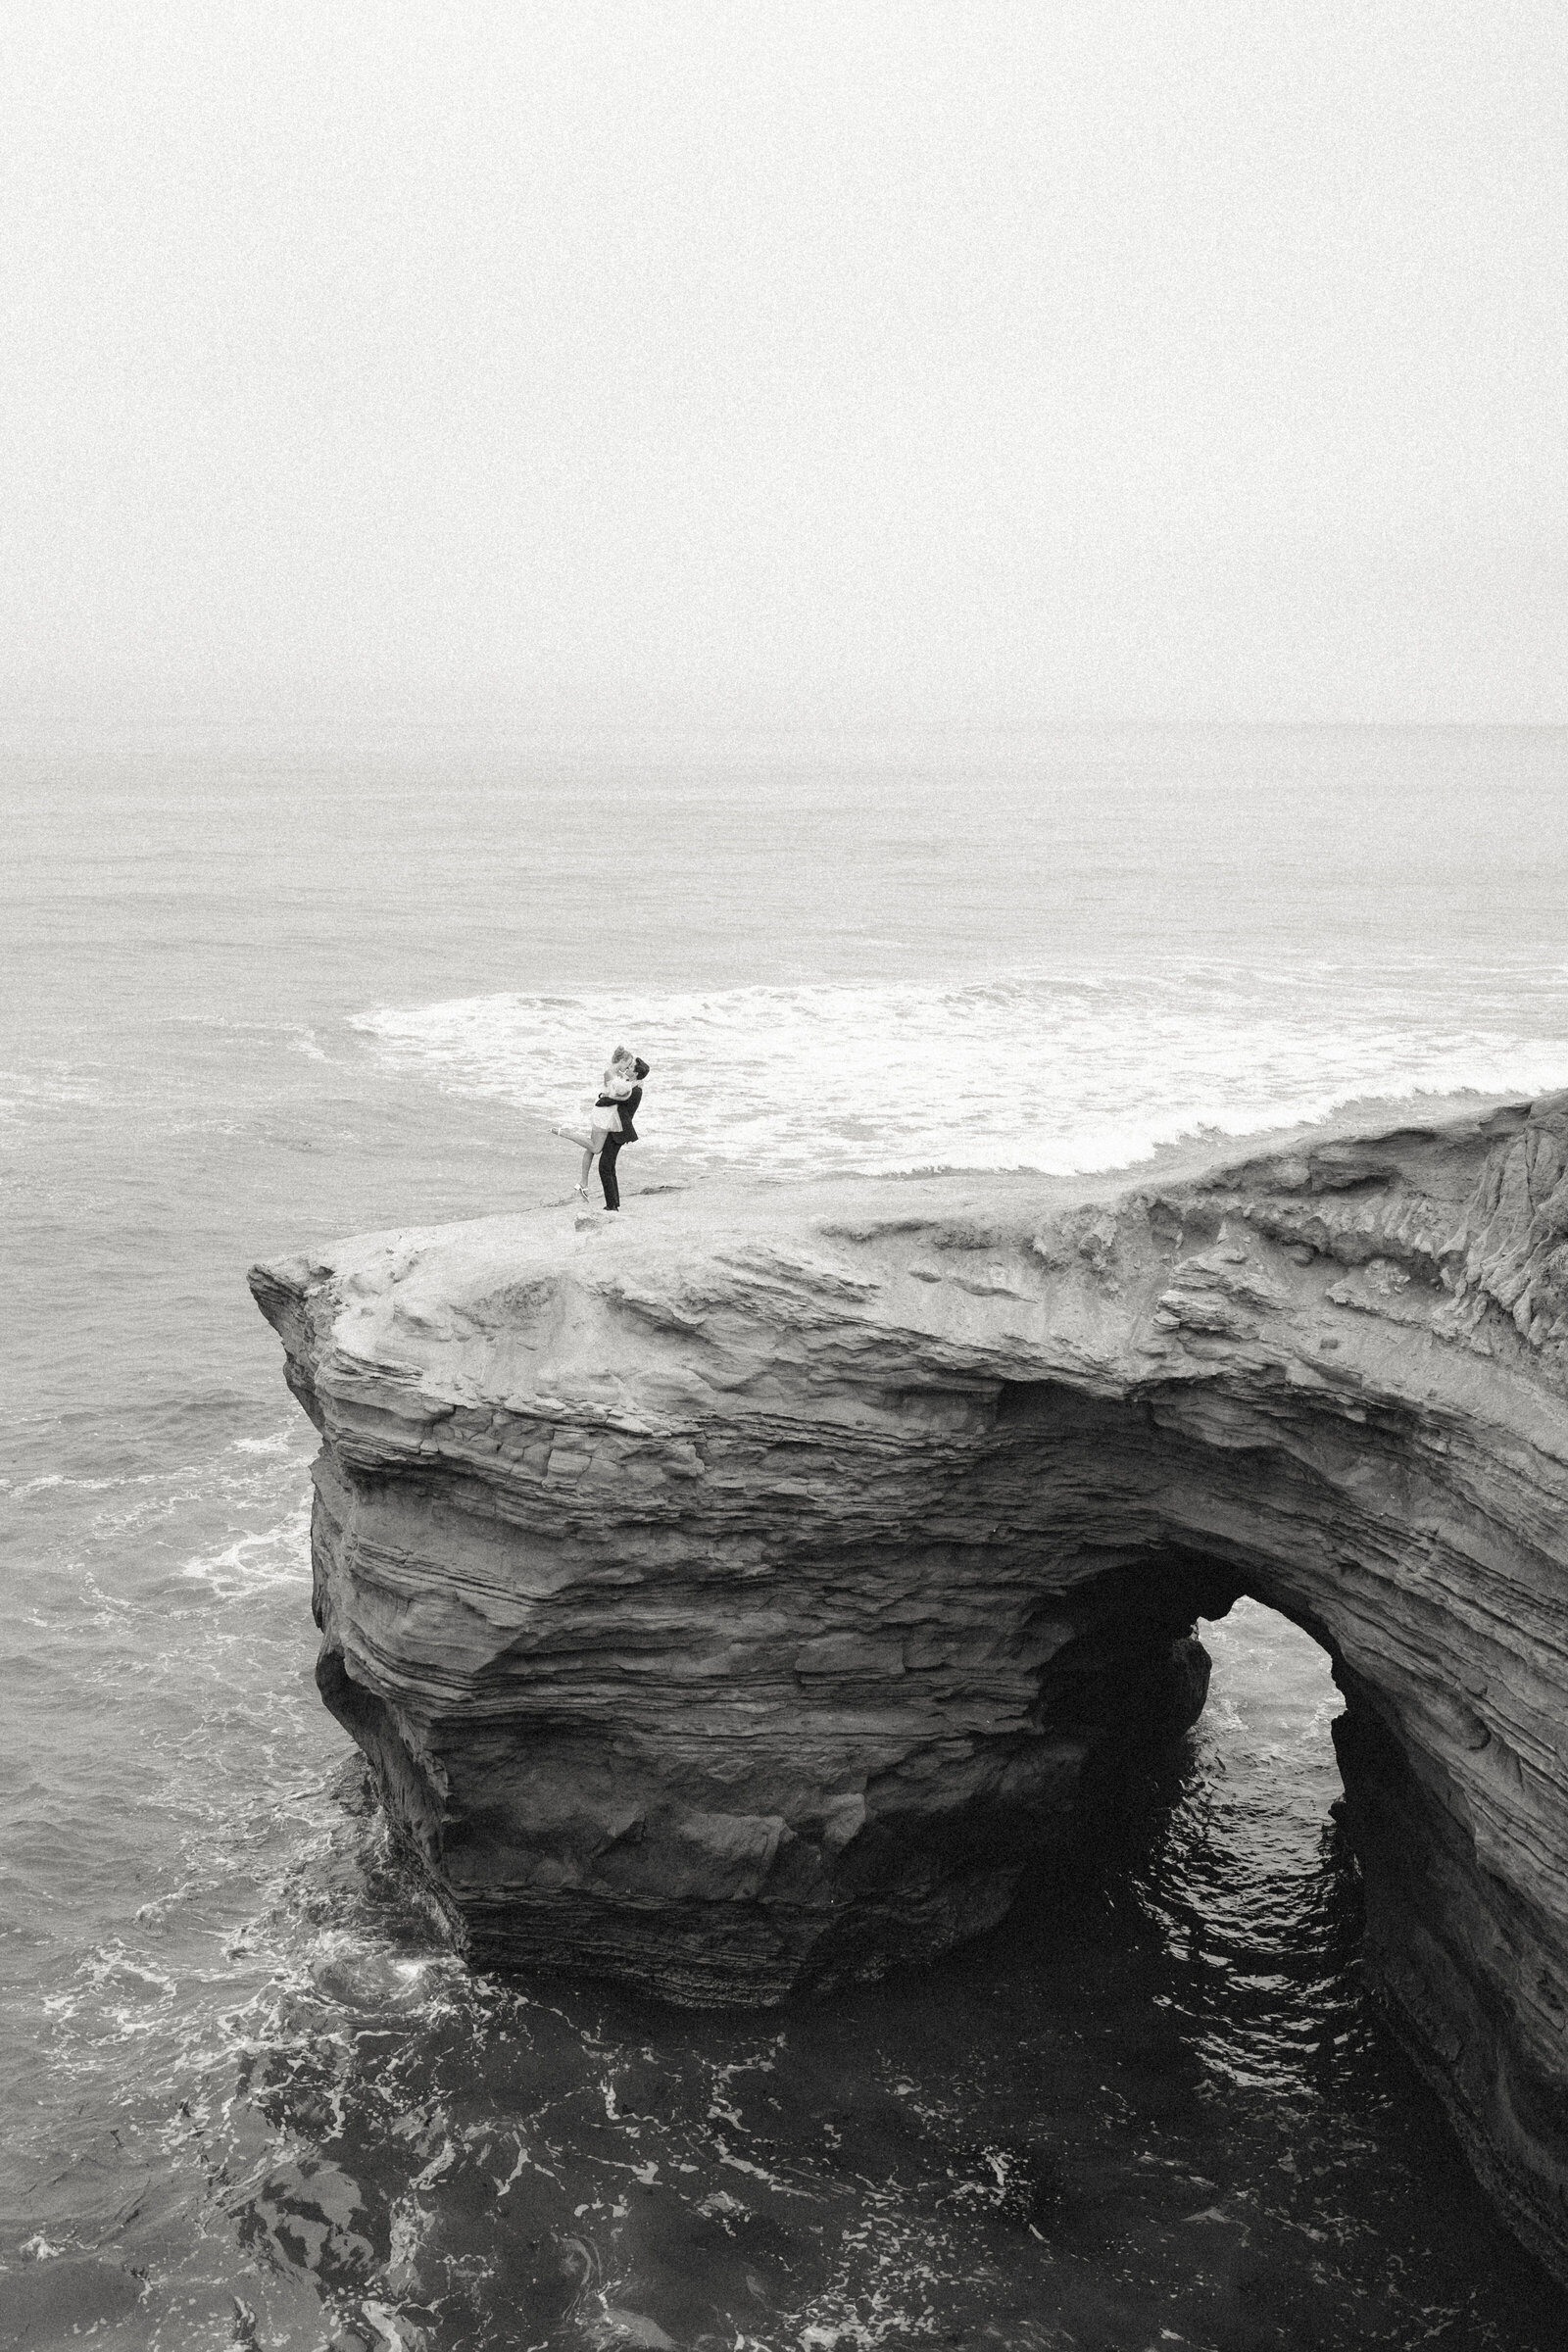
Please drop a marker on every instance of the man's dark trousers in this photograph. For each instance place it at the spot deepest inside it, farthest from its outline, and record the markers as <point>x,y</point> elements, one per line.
<point>608,1154</point>
<point>610,1149</point>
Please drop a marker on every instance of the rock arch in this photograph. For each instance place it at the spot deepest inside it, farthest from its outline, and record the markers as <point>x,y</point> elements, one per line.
<point>749,1592</point>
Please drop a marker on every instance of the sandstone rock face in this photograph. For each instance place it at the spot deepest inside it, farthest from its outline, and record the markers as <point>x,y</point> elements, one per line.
<point>747,1591</point>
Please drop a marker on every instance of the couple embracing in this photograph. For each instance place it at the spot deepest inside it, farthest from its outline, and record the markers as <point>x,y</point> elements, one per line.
<point>609,1124</point>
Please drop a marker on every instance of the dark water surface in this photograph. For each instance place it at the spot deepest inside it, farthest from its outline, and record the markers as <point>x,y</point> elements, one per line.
<point>245,2095</point>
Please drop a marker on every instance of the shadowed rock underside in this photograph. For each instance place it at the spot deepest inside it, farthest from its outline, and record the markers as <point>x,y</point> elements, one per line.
<point>747,1591</point>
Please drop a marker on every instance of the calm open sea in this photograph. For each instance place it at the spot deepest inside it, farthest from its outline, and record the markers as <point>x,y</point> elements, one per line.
<point>260,987</point>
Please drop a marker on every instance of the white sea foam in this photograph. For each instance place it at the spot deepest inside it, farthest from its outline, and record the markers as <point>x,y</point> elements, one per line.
<point>256,1561</point>
<point>1060,1074</point>
<point>48,1083</point>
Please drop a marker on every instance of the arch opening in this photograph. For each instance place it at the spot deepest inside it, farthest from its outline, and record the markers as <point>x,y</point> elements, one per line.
<point>1358,1526</point>
<point>1231,1846</point>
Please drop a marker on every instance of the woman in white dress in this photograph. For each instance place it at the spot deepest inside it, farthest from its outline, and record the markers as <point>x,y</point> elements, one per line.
<point>603,1118</point>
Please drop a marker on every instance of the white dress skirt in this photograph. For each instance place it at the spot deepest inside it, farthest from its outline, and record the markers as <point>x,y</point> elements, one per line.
<point>604,1118</point>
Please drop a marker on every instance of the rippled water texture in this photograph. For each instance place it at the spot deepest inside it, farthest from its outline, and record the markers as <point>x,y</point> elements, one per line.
<point>258,990</point>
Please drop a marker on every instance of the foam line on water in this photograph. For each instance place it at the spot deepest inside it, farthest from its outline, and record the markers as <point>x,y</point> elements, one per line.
<point>258,1560</point>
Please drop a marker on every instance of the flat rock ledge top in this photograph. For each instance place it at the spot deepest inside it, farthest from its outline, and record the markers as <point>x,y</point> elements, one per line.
<point>746,1592</point>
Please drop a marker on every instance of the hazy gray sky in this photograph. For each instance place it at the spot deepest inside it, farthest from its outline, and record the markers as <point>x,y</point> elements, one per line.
<point>792,361</point>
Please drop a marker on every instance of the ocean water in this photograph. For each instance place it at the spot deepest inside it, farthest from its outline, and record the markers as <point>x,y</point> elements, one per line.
<point>263,983</point>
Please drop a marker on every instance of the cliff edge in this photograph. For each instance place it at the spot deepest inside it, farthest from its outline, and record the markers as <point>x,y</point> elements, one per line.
<point>747,1591</point>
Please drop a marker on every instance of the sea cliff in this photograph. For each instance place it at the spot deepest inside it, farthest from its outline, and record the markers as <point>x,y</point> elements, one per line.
<point>746,1592</point>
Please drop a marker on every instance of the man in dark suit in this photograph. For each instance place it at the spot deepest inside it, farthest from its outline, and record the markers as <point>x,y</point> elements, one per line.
<point>610,1149</point>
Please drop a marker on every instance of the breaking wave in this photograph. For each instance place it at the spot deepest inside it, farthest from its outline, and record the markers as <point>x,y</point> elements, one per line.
<point>1057,1074</point>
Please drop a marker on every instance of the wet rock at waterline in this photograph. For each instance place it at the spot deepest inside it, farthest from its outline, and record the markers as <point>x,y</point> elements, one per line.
<point>747,1591</point>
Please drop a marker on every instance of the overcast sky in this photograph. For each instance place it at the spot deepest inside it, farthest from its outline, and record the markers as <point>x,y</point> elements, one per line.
<point>791,361</point>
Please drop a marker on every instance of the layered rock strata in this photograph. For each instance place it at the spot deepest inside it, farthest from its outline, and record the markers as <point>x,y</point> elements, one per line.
<point>744,1592</point>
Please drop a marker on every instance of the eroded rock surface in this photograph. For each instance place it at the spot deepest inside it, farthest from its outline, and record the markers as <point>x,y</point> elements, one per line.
<point>747,1591</point>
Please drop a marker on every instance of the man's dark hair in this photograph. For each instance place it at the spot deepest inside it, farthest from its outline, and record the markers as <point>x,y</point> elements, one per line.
<point>641,1068</point>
